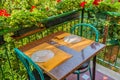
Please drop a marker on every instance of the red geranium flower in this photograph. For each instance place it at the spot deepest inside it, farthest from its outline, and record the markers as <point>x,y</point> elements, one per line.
<point>6,15</point>
<point>33,7</point>
<point>3,12</point>
<point>58,1</point>
<point>96,2</point>
<point>82,4</point>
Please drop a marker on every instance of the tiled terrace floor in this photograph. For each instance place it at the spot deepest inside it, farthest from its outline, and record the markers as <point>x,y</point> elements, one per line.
<point>101,74</point>
<point>106,71</point>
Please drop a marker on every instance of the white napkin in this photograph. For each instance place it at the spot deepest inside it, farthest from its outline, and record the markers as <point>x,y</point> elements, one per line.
<point>72,39</point>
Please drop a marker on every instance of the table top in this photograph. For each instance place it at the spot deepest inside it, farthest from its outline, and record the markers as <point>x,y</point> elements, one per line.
<point>87,49</point>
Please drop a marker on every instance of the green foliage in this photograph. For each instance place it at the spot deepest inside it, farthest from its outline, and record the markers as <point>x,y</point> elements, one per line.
<point>110,21</point>
<point>114,28</point>
<point>107,13</point>
<point>104,6</point>
<point>68,5</point>
<point>22,17</point>
<point>16,4</point>
<point>4,26</point>
<point>108,6</point>
<point>2,22</point>
<point>25,18</point>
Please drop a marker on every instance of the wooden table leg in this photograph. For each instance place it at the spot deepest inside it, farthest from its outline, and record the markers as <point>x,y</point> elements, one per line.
<point>94,68</point>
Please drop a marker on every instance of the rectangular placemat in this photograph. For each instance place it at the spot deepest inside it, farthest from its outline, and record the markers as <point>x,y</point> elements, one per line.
<point>59,56</point>
<point>78,46</point>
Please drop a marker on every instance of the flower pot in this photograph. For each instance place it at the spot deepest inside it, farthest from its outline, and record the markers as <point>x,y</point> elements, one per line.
<point>1,39</point>
<point>55,20</point>
<point>24,31</point>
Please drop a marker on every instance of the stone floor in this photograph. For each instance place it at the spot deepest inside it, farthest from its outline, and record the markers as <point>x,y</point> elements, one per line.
<point>102,73</point>
<point>108,72</point>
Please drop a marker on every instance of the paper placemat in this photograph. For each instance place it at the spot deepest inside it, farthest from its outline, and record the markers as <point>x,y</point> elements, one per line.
<point>78,46</point>
<point>59,56</point>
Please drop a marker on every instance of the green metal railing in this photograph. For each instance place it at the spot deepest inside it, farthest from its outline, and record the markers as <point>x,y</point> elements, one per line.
<point>110,57</point>
<point>12,69</point>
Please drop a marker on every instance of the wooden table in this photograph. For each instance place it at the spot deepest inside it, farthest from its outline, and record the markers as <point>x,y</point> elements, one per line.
<point>79,56</point>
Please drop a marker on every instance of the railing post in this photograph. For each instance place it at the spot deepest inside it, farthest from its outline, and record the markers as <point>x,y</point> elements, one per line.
<point>82,20</point>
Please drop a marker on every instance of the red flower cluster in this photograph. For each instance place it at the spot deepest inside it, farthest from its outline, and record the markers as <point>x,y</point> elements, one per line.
<point>96,2</point>
<point>58,1</point>
<point>82,4</point>
<point>33,7</point>
<point>3,12</point>
<point>118,0</point>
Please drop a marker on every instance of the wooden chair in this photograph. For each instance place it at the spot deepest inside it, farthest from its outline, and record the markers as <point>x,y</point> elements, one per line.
<point>33,70</point>
<point>87,31</point>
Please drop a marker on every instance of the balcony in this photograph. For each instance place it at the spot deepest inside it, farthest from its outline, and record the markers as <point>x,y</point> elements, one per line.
<point>11,68</point>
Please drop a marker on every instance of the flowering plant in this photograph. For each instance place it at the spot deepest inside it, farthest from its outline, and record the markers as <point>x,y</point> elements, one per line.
<point>96,2</point>
<point>58,1</point>
<point>3,12</point>
<point>21,18</point>
<point>69,5</point>
<point>82,4</point>
<point>4,15</point>
<point>102,6</point>
<point>34,16</point>
<point>32,8</point>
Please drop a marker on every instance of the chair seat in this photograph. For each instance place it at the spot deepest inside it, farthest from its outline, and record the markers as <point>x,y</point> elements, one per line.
<point>84,65</point>
<point>83,68</point>
<point>37,76</point>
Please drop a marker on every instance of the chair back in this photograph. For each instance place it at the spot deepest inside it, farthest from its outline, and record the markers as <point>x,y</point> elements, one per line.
<point>85,30</point>
<point>29,65</point>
